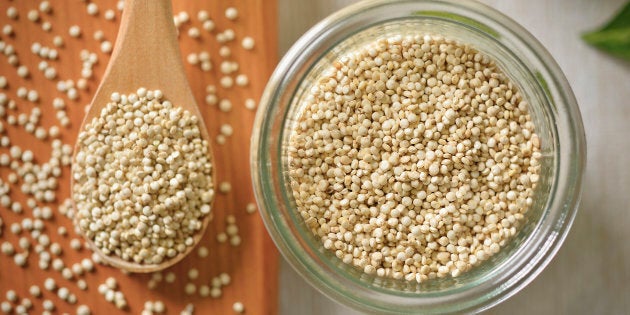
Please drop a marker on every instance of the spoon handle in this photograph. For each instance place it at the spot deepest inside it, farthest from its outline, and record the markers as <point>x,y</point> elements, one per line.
<point>146,52</point>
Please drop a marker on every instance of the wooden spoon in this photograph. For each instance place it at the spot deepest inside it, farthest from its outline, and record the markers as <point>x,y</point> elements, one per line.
<point>146,54</point>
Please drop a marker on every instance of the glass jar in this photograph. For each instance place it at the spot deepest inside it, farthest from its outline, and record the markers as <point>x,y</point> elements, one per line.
<point>554,111</point>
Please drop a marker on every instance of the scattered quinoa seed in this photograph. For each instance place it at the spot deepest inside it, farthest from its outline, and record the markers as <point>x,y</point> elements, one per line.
<point>247,43</point>
<point>250,208</point>
<point>74,31</point>
<point>231,13</point>
<point>238,307</point>
<point>190,288</point>
<point>193,274</point>
<point>202,252</point>
<point>170,277</point>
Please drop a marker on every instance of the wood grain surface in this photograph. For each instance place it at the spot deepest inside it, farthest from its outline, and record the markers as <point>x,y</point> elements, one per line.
<point>252,265</point>
<point>591,272</point>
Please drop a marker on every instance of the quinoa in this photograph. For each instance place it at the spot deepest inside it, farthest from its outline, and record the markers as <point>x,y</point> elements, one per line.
<point>413,157</point>
<point>142,178</point>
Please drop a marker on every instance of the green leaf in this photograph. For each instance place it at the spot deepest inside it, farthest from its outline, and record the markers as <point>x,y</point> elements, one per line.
<point>613,38</point>
<point>622,20</point>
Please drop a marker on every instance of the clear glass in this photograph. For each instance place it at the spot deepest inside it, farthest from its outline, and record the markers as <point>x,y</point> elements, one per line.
<point>558,124</point>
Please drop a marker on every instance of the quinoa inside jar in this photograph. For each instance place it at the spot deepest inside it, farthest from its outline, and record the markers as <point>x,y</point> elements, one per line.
<point>413,156</point>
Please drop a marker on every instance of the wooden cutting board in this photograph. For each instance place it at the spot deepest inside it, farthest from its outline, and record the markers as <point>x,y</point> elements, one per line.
<point>252,266</point>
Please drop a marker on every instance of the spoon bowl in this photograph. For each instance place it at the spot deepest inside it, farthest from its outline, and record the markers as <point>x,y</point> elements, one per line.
<point>146,54</point>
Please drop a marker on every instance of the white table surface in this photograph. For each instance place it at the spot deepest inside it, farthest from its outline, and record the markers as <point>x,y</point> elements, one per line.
<point>591,273</point>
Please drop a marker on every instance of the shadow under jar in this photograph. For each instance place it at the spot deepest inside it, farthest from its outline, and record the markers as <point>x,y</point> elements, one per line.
<point>553,110</point>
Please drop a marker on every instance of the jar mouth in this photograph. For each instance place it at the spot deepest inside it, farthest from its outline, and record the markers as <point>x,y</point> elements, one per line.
<point>518,55</point>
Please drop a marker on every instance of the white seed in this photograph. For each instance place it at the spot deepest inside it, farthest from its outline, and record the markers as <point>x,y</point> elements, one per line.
<point>225,278</point>
<point>247,43</point>
<point>11,296</point>
<point>87,264</point>
<point>50,284</point>
<point>20,259</point>
<point>58,264</point>
<point>106,47</point>
<point>50,73</point>
<point>48,305</point>
<point>204,56</point>
<point>58,41</point>
<point>226,130</point>
<point>75,244</point>
<point>83,310</point>
<point>204,291</point>
<point>242,80</point>
<point>66,273</point>
<point>46,26</point>
<point>226,82</point>
<point>27,303</point>
<point>225,51</point>
<point>92,8</point>
<point>62,231</point>
<point>221,139</point>
<point>35,291</point>
<point>211,99</point>
<point>63,293</point>
<point>45,7</point>
<point>6,307</point>
<point>235,240</point>
<point>24,243</point>
<point>215,292</point>
<point>157,276</point>
<point>225,187</point>
<point>238,307</point>
<point>225,105</point>
<point>250,208</point>
<point>183,17</point>
<point>231,13</point>
<point>193,274</point>
<point>202,252</point>
<point>250,104</point>
<point>193,32</point>
<point>77,269</point>
<point>203,15</point>
<point>206,66</point>
<point>12,13</point>
<point>111,283</point>
<point>229,34</point>
<point>32,96</point>
<point>222,237</point>
<point>110,15</point>
<point>170,277</point>
<point>159,307</point>
<point>192,58</point>
<point>7,249</point>
<point>190,288</point>
<point>7,30</point>
<point>22,71</point>
<point>33,15</point>
<point>74,31</point>
<point>99,35</point>
<point>208,25</point>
